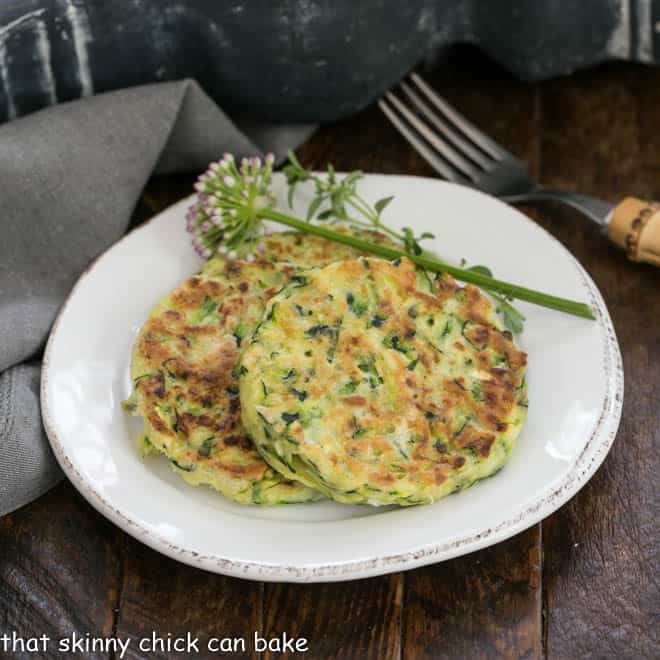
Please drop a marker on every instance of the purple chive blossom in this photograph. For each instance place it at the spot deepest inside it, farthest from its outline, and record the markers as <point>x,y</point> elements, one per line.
<point>268,231</point>
<point>218,206</point>
<point>261,247</point>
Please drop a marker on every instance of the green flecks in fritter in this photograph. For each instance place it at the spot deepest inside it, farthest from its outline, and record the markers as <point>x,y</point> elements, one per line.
<point>348,388</point>
<point>461,422</point>
<point>207,446</point>
<point>329,331</point>
<point>358,431</point>
<point>357,307</point>
<point>185,467</point>
<point>476,391</point>
<point>447,327</point>
<point>301,395</point>
<point>289,418</point>
<point>377,321</point>
<point>298,281</point>
<point>290,376</point>
<point>206,310</point>
<point>397,344</point>
<point>367,365</point>
<point>240,331</point>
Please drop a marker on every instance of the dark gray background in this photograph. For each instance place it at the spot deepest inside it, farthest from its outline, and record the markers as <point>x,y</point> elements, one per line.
<point>297,60</point>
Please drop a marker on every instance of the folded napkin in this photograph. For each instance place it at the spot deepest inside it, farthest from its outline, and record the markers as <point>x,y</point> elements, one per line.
<point>70,177</point>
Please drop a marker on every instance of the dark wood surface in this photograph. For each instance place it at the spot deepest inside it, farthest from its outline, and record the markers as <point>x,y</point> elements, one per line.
<point>583,584</point>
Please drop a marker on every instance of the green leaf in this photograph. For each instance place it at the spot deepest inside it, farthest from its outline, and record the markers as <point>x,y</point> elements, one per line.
<point>382,204</point>
<point>410,242</point>
<point>292,189</point>
<point>481,270</point>
<point>292,157</point>
<point>313,208</point>
<point>513,319</point>
<point>337,201</point>
<point>350,182</point>
<point>290,173</point>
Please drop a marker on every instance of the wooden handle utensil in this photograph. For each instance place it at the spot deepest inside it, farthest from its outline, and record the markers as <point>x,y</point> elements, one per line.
<point>635,227</point>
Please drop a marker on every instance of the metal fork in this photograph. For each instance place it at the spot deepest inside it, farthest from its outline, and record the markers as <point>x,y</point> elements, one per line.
<point>463,154</point>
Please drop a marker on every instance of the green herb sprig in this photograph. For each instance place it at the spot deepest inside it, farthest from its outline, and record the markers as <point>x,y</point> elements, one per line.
<point>233,201</point>
<point>339,200</point>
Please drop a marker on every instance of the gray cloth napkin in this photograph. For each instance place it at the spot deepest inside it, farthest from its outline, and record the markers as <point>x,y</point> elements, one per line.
<point>70,177</point>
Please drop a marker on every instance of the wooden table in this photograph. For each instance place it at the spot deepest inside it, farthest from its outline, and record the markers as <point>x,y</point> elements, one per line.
<point>582,584</point>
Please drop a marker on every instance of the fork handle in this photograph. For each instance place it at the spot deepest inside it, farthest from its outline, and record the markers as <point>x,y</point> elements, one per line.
<point>635,226</point>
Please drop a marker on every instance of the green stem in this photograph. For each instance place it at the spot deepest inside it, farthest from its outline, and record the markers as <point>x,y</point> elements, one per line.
<point>367,208</point>
<point>374,221</point>
<point>435,265</point>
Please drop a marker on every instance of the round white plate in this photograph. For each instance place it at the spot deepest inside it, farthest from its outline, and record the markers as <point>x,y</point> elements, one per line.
<point>575,393</point>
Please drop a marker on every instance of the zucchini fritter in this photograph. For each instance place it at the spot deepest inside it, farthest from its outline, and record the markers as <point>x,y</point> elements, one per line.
<point>373,382</point>
<point>184,370</point>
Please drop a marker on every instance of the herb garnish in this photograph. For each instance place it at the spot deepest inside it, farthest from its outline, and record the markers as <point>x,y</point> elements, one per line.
<point>233,201</point>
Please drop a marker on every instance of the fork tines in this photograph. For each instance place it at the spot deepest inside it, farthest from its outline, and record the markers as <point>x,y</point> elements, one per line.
<point>453,146</point>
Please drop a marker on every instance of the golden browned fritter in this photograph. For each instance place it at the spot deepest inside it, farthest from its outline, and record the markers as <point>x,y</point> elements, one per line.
<point>373,382</point>
<point>184,369</point>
